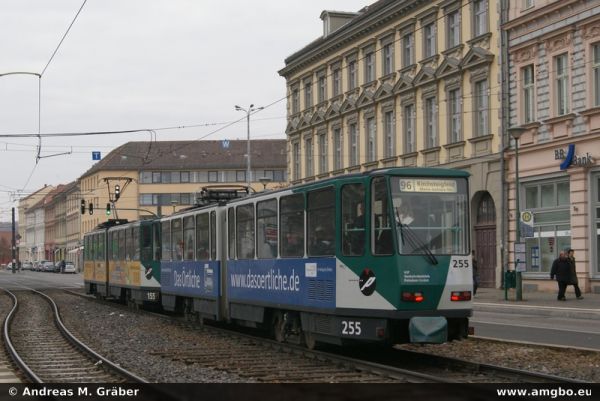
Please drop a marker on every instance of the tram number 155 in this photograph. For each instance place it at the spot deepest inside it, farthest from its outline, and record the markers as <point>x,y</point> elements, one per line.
<point>351,328</point>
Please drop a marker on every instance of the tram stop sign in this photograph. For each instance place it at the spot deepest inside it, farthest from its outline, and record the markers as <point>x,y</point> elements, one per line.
<point>96,156</point>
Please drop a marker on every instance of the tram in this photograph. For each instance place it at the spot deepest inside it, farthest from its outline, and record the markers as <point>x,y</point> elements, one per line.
<point>380,256</point>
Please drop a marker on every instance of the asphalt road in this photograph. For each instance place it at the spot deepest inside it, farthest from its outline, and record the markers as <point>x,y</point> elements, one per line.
<point>574,332</point>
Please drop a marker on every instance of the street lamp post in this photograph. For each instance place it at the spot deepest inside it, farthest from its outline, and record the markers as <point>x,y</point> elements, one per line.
<point>515,133</point>
<point>248,111</point>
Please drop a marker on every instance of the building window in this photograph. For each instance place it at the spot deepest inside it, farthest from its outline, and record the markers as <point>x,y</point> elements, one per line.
<point>390,133</point>
<point>296,160</point>
<point>369,67</point>
<point>453,26</point>
<point>454,115</point>
<point>307,94</point>
<point>408,54</point>
<point>351,75</point>
<point>430,122</point>
<point>527,4</point>
<point>481,108</point>
<point>409,128</point>
<point>353,134</point>
<point>213,176</point>
<point>549,202</point>
<point>429,40</point>
<point>323,168</point>
<point>371,140</point>
<point>145,177</point>
<point>561,77</point>
<point>528,93</point>
<point>295,101</point>
<point>388,58</point>
<point>240,176</point>
<point>322,88</point>
<point>185,176</point>
<point>337,82</point>
<point>596,71</point>
<point>156,177</point>
<point>480,17</point>
<point>309,157</point>
<point>146,199</point>
<point>595,180</point>
<point>338,149</point>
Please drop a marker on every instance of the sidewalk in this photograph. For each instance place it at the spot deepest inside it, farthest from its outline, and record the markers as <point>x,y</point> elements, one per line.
<point>537,303</point>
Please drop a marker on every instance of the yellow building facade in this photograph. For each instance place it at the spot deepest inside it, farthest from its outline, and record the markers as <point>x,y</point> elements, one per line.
<point>404,83</point>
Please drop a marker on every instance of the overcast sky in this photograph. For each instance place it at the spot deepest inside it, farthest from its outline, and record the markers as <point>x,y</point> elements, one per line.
<point>138,64</point>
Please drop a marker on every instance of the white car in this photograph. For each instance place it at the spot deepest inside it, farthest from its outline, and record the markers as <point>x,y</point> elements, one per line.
<point>69,268</point>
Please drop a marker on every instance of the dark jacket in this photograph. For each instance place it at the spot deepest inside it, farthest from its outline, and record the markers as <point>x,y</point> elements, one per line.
<point>561,268</point>
<point>573,271</point>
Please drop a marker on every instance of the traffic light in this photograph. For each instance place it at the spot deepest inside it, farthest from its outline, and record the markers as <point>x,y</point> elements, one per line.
<point>83,206</point>
<point>117,192</point>
<point>108,209</point>
<point>91,208</point>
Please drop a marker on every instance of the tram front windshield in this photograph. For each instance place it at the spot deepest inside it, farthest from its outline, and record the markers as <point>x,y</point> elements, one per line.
<point>431,215</point>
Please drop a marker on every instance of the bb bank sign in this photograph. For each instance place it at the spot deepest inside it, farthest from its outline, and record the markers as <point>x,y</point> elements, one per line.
<point>569,158</point>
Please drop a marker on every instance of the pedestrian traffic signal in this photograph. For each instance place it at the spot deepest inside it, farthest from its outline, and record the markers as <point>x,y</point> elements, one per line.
<point>83,206</point>
<point>108,209</point>
<point>91,208</point>
<point>117,192</point>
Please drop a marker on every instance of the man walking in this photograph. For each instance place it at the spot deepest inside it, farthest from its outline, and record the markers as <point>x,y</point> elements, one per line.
<point>561,268</point>
<point>573,273</point>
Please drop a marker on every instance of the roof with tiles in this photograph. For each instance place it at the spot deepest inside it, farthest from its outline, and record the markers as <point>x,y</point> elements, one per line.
<point>175,155</point>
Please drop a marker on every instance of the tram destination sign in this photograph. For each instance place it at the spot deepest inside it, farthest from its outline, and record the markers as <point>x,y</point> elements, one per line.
<point>427,185</point>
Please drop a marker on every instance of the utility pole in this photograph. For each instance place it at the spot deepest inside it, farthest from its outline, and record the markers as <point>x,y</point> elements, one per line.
<point>14,243</point>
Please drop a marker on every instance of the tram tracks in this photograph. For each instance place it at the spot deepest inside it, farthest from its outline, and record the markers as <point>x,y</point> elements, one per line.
<point>45,351</point>
<point>251,358</point>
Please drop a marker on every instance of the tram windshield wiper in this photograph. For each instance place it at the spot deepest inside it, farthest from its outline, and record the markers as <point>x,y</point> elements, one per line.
<point>408,235</point>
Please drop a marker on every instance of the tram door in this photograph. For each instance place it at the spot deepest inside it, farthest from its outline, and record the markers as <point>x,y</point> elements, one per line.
<point>485,242</point>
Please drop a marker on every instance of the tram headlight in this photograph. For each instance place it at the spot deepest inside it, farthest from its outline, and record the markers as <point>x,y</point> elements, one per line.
<point>457,296</point>
<point>416,296</point>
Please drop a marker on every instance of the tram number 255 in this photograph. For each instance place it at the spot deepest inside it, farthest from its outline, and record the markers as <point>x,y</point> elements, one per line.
<point>351,328</point>
<point>459,263</point>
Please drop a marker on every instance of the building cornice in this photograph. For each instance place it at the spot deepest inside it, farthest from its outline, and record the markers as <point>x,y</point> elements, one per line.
<point>355,30</point>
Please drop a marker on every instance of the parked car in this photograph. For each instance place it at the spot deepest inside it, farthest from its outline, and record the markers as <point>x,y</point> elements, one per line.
<point>69,268</point>
<point>27,266</point>
<point>47,266</point>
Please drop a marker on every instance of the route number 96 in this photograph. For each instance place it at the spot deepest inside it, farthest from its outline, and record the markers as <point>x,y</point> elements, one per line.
<point>351,328</point>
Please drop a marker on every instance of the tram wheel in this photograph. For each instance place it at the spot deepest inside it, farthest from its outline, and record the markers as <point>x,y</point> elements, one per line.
<point>309,340</point>
<point>278,327</point>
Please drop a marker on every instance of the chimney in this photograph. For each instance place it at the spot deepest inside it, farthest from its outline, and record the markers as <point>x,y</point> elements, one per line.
<point>333,20</point>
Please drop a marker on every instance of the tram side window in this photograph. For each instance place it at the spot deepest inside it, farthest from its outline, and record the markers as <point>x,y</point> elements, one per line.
<point>146,242</point>
<point>245,231</point>
<point>188,238</point>
<point>101,247</point>
<point>266,229</point>
<point>353,217</point>
<point>156,241</point>
<point>381,238</point>
<point>122,244</point>
<point>93,241</point>
<point>321,222</point>
<point>213,235</point>
<point>291,225</point>
<point>129,241</point>
<point>231,232</point>
<point>166,240</point>
<point>135,231</point>
<point>202,236</point>
<point>177,239</point>
<point>115,245</point>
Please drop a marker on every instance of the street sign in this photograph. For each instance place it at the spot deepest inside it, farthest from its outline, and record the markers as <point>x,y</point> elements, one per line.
<point>520,257</point>
<point>526,224</point>
<point>96,156</point>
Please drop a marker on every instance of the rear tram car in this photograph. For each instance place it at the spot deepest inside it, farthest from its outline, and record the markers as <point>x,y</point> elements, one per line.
<point>121,260</point>
<point>381,256</point>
